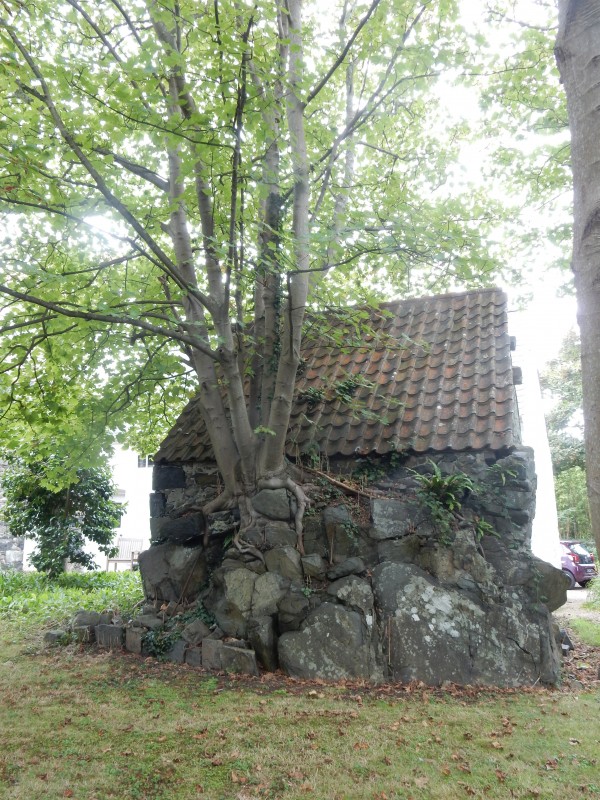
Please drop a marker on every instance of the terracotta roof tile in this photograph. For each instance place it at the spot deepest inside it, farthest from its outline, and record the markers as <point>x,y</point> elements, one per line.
<point>439,374</point>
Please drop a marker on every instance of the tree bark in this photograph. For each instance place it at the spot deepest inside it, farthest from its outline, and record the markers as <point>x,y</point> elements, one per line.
<point>578,58</point>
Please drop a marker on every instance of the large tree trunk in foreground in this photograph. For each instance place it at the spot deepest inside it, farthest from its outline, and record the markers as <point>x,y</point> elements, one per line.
<point>578,58</point>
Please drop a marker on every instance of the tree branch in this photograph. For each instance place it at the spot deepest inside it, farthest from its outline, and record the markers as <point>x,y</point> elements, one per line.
<point>340,59</point>
<point>110,318</point>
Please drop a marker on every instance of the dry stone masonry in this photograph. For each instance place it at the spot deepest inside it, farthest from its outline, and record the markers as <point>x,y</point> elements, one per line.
<point>386,599</point>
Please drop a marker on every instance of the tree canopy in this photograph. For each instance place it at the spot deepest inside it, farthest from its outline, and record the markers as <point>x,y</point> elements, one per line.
<point>182,179</point>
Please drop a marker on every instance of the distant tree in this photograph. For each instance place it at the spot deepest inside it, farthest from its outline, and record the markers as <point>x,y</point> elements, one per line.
<point>561,380</point>
<point>572,504</point>
<point>60,521</point>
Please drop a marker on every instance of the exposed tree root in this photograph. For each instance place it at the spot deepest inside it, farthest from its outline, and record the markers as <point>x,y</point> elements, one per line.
<point>248,516</point>
<point>228,499</point>
<point>302,501</point>
<point>339,484</point>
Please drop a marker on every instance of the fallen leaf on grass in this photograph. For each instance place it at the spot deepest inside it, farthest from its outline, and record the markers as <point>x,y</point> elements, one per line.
<point>574,741</point>
<point>68,793</point>
<point>551,763</point>
<point>236,778</point>
<point>501,775</point>
<point>360,746</point>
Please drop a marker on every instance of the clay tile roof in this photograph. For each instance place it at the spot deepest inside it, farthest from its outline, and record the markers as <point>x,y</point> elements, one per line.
<point>434,374</point>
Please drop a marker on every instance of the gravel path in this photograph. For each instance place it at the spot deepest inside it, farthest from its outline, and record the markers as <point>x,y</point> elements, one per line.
<point>574,607</point>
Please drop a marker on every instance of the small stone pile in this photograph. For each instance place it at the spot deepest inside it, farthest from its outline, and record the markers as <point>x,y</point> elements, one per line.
<point>172,633</point>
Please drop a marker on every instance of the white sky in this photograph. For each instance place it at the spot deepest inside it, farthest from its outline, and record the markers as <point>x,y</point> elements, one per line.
<point>548,317</point>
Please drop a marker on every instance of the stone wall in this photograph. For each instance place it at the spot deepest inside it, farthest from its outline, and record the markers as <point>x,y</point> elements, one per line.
<point>504,495</point>
<point>380,593</point>
<point>11,549</point>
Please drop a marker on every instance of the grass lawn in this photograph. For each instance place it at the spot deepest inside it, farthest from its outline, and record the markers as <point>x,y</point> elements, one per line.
<point>82,724</point>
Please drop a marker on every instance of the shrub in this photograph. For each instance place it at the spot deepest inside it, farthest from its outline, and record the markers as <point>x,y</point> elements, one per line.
<point>33,598</point>
<point>60,519</point>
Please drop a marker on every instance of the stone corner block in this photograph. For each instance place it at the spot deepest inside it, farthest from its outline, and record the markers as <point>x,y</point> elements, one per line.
<point>110,636</point>
<point>193,656</point>
<point>134,638</point>
<point>211,653</point>
<point>83,633</point>
<point>168,476</point>
<point>54,637</point>
<point>177,653</point>
<point>238,660</point>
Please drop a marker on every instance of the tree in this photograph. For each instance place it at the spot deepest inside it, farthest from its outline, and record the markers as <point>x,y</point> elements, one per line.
<point>60,521</point>
<point>572,504</point>
<point>578,58</point>
<point>562,381</point>
<point>182,178</point>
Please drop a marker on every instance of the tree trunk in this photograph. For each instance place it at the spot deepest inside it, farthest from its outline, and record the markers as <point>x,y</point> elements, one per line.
<point>578,57</point>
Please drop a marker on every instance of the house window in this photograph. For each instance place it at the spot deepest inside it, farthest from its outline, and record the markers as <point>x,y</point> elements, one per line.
<point>145,461</point>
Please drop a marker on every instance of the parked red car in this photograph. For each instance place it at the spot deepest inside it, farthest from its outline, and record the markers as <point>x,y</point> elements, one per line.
<point>577,563</point>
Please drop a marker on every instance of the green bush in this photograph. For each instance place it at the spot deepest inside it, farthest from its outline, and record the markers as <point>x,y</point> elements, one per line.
<point>61,520</point>
<point>33,598</point>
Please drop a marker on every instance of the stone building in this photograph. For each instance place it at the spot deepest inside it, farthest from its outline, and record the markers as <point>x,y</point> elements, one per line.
<point>412,399</point>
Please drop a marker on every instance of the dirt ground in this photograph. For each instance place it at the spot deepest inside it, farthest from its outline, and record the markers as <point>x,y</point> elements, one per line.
<point>574,607</point>
<point>581,665</point>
